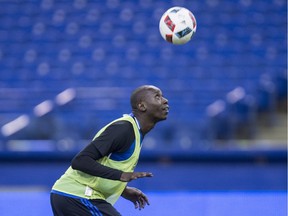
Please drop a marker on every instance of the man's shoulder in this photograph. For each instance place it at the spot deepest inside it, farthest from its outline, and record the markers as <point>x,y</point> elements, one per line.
<point>121,125</point>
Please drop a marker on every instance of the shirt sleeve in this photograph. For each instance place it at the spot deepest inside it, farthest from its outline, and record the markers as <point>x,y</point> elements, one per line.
<point>117,137</point>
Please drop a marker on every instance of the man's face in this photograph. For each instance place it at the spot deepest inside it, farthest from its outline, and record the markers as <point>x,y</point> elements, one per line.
<point>156,105</point>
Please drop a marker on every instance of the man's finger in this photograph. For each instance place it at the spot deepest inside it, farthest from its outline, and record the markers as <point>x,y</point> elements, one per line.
<point>136,205</point>
<point>144,174</point>
<point>142,202</point>
<point>148,174</point>
<point>145,198</point>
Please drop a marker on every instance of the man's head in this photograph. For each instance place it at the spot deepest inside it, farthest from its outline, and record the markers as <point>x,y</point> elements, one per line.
<point>148,100</point>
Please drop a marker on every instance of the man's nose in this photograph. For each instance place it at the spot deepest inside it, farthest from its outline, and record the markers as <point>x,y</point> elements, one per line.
<point>165,100</point>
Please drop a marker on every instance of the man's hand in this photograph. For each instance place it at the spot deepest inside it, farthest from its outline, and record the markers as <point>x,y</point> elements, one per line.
<point>129,176</point>
<point>137,197</point>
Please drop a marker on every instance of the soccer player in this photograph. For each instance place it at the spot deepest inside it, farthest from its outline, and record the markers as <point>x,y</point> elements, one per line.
<point>99,174</point>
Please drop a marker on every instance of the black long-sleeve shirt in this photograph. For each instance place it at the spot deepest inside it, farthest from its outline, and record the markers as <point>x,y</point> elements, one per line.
<point>117,138</point>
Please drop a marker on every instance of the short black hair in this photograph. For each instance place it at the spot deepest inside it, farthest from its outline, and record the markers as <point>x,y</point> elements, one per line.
<point>138,95</point>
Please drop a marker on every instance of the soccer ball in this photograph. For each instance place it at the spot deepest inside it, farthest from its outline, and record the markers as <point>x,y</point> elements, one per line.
<point>177,25</point>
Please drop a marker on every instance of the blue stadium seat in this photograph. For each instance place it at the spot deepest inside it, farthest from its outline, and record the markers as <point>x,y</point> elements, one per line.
<point>53,45</point>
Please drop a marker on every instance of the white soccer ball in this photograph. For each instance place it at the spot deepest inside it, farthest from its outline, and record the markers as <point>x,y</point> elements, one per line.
<point>177,25</point>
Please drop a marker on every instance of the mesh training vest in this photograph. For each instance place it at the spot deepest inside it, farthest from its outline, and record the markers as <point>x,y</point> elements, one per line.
<point>80,184</point>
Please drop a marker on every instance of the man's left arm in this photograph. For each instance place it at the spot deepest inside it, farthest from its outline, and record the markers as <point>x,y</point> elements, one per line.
<point>136,196</point>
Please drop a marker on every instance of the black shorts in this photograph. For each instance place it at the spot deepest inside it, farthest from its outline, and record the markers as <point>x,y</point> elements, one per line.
<point>71,206</point>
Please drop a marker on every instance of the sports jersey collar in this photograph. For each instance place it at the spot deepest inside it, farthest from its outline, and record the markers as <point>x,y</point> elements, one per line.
<point>137,123</point>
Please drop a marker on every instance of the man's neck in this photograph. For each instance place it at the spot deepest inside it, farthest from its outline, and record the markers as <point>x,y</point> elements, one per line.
<point>144,123</point>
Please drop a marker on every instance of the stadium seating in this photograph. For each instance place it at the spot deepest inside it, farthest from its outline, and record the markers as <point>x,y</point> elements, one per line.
<point>92,46</point>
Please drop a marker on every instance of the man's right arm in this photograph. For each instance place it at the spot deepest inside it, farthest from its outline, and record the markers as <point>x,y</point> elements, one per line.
<point>117,137</point>
<point>85,163</point>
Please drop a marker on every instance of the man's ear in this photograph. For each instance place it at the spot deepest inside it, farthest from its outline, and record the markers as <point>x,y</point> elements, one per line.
<point>141,107</point>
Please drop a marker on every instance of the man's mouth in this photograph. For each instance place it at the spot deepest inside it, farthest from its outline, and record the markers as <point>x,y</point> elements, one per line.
<point>166,109</point>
